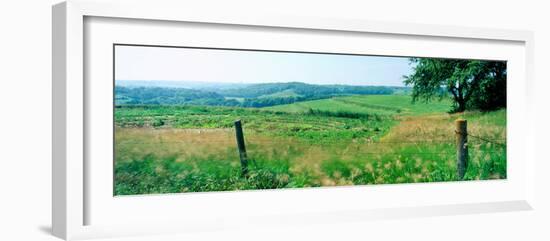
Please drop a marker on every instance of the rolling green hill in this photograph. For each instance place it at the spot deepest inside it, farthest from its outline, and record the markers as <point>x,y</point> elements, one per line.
<point>282,94</point>
<point>252,95</point>
<point>367,104</point>
<point>303,89</point>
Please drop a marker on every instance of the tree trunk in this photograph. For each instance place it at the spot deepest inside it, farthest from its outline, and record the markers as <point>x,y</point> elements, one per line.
<point>459,101</point>
<point>461,105</point>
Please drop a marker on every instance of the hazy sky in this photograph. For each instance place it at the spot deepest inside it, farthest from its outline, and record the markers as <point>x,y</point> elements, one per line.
<point>231,66</point>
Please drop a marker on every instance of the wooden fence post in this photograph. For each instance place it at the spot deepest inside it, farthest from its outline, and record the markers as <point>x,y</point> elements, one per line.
<point>461,147</point>
<point>242,148</point>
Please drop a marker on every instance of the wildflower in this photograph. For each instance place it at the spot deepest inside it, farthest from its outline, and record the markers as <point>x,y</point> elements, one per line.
<point>398,164</point>
<point>327,182</point>
<point>355,172</point>
<point>418,163</point>
<point>417,177</point>
<point>369,168</point>
<point>283,178</point>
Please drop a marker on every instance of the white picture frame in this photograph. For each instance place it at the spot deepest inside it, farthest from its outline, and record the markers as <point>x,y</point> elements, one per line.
<point>73,187</point>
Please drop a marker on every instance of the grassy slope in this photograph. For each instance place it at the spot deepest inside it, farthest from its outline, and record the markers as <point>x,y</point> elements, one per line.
<point>312,127</point>
<point>193,149</point>
<point>379,104</point>
<point>282,94</point>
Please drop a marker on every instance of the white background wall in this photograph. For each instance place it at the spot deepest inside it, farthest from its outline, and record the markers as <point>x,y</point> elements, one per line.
<point>25,119</point>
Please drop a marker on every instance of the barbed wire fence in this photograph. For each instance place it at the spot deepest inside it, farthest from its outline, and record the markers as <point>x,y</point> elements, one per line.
<point>498,142</point>
<point>460,142</point>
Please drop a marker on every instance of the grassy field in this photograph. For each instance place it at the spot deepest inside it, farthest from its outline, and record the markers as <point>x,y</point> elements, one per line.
<point>352,140</point>
<point>370,104</point>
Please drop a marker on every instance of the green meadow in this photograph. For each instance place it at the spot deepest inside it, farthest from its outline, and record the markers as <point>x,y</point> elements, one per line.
<point>333,141</point>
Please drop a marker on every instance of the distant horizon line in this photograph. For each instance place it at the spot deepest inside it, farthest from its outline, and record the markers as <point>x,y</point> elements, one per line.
<point>253,83</point>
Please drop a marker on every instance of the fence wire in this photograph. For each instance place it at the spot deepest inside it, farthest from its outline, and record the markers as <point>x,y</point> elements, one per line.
<point>252,147</point>
<point>492,141</point>
<point>359,142</point>
<point>498,142</point>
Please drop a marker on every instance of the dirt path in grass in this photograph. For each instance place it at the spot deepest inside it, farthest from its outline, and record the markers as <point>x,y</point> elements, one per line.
<point>441,127</point>
<point>423,128</point>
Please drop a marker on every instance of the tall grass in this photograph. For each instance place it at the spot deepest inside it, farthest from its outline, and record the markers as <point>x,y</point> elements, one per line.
<point>193,149</point>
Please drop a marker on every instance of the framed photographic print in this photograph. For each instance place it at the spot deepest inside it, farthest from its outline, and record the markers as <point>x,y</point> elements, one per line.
<point>179,121</point>
<point>349,120</point>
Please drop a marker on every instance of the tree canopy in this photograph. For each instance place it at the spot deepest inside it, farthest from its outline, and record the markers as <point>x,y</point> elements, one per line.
<point>473,84</point>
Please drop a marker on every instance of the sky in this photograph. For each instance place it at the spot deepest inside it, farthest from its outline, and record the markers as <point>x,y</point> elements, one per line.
<point>238,66</point>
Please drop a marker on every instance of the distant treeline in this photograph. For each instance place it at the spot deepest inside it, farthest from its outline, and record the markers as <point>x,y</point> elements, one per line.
<point>304,90</point>
<point>165,96</point>
<point>256,95</point>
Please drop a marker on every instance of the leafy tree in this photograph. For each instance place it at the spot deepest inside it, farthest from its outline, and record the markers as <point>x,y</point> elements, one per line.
<point>473,84</point>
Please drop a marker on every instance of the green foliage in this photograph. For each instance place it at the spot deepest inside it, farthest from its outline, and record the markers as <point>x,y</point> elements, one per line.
<point>341,113</point>
<point>490,93</point>
<point>473,84</point>
<point>155,175</point>
<point>281,94</point>
<point>158,123</point>
<point>314,125</point>
<point>305,90</point>
<point>382,105</point>
<point>168,96</point>
<point>407,163</point>
<point>307,146</point>
<point>256,95</point>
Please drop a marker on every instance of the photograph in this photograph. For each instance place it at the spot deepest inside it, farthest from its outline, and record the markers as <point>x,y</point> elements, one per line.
<point>194,119</point>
